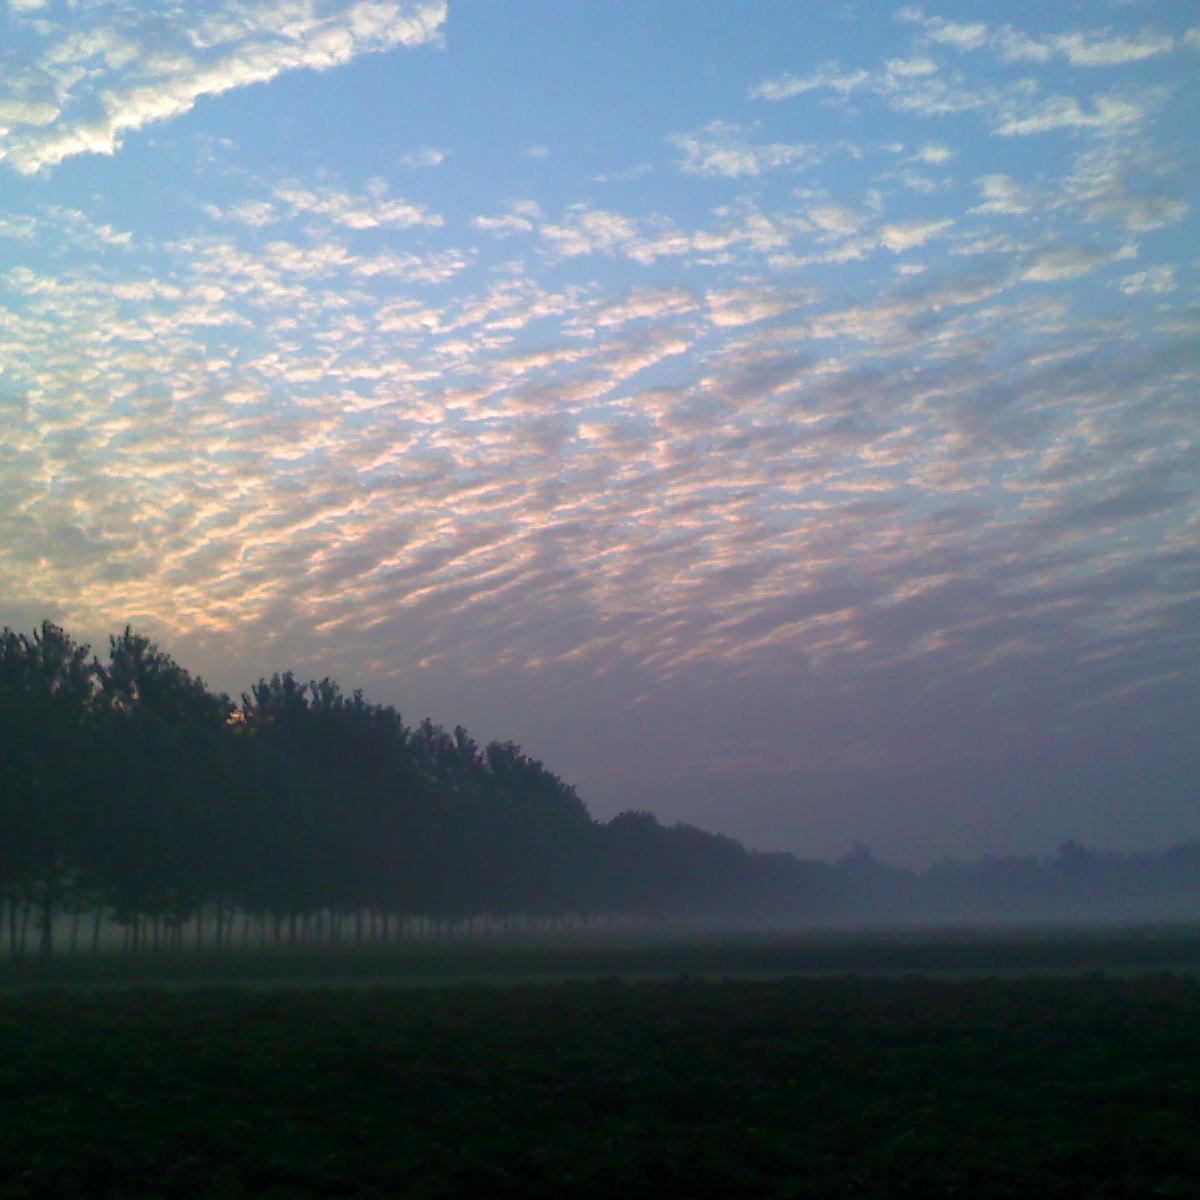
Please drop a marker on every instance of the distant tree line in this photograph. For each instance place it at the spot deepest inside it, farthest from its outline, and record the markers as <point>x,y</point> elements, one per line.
<point>131,796</point>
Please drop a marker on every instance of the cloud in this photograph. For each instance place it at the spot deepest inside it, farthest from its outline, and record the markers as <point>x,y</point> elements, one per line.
<point>1069,262</point>
<point>746,306</point>
<point>1109,114</point>
<point>1098,50</point>
<point>429,156</point>
<point>724,149</point>
<point>838,220</point>
<point>934,154</point>
<point>642,304</point>
<point>587,230</point>
<point>413,268</point>
<point>146,82</point>
<point>1133,185</point>
<point>1081,49</point>
<point>372,211</point>
<point>1003,196</point>
<point>634,172</point>
<point>1158,280</point>
<point>830,77</point>
<point>520,218</point>
<point>536,152</point>
<point>255,213</point>
<point>906,235</point>
<point>708,442</point>
<point>910,85</point>
<point>909,68</point>
<point>28,95</point>
<point>1015,46</point>
<point>960,35</point>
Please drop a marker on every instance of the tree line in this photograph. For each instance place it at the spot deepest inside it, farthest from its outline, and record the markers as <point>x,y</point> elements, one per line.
<point>132,797</point>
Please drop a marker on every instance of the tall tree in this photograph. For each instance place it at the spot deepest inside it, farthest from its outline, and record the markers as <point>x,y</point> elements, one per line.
<point>48,687</point>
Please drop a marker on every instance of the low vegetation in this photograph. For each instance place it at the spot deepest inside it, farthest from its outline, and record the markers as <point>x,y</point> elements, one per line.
<point>840,1087</point>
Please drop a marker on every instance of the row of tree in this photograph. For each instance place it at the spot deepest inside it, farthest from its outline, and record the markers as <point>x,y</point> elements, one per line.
<point>133,797</point>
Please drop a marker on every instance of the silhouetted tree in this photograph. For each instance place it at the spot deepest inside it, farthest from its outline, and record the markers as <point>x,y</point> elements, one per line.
<point>48,686</point>
<point>130,791</point>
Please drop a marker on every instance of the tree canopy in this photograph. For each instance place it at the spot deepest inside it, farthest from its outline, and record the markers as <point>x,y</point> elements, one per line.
<point>132,794</point>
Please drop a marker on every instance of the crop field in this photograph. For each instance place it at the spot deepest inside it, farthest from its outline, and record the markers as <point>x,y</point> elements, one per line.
<point>1079,1083</point>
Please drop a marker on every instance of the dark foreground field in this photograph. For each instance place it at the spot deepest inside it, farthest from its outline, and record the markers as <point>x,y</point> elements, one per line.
<point>1071,1086</point>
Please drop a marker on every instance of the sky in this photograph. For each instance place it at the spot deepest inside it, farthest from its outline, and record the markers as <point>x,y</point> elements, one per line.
<point>781,417</point>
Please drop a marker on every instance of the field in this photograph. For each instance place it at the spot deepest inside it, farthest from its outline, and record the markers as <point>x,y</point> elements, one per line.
<point>1080,1078</point>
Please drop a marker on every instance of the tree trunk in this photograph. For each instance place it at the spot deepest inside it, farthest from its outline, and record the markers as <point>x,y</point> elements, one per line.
<point>49,900</point>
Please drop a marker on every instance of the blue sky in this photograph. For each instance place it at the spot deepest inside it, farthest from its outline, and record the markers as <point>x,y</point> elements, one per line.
<point>783,417</point>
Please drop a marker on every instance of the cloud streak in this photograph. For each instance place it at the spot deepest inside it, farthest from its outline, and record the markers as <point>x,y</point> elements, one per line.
<point>125,72</point>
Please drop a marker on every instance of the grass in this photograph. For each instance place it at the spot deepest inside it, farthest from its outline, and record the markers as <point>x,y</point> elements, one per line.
<point>1069,1085</point>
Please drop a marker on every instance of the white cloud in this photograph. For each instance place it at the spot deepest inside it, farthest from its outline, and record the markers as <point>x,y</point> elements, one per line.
<point>1139,213</point>
<point>250,212</point>
<point>536,152</point>
<point>356,212</point>
<point>911,85</point>
<point>1015,46</point>
<point>19,228</point>
<point>962,35</point>
<point>724,149</point>
<point>934,154</point>
<point>906,235</point>
<point>1095,50</point>
<point>520,218</point>
<point>1080,49</point>
<point>28,96</point>
<point>910,68</point>
<point>1003,196</point>
<point>1069,262</point>
<point>1110,114</point>
<point>503,226</point>
<point>634,172</point>
<point>645,303</point>
<point>157,83</point>
<point>430,268</point>
<point>745,306</point>
<point>1158,281</point>
<point>430,156</point>
<point>588,231</point>
<point>831,77</point>
<point>835,219</point>
<point>1126,184</point>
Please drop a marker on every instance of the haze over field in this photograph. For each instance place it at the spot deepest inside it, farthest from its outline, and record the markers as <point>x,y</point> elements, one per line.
<point>782,417</point>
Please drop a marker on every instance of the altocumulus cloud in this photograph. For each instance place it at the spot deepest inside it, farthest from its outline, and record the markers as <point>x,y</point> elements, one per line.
<point>130,67</point>
<point>827,444</point>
